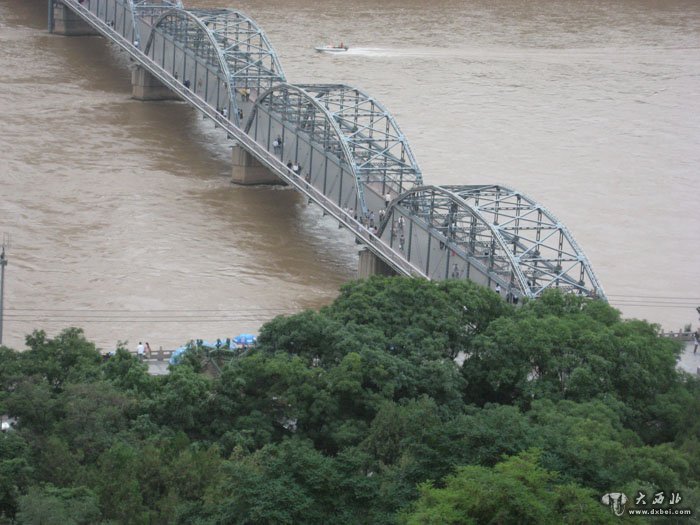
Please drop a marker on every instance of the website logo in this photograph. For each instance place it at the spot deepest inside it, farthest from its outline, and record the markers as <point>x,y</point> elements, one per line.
<point>616,501</point>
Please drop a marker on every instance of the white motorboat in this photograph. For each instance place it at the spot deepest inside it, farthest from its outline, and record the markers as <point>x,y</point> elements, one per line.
<point>332,49</point>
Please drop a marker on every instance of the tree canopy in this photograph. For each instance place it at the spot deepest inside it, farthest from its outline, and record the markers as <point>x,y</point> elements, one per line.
<point>404,401</point>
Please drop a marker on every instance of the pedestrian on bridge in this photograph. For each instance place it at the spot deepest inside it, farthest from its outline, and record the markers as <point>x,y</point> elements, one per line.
<point>277,144</point>
<point>387,199</point>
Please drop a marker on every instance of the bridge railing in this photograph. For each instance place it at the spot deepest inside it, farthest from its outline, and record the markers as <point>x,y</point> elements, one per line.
<point>373,242</point>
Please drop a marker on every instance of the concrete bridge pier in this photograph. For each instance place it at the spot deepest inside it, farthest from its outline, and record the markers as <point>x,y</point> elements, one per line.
<point>369,264</point>
<point>145,86</point>
<point>64,21</point>
<point>248,171</point>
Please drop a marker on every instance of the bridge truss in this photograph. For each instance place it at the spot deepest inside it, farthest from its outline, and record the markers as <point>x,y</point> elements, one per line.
<point>490,234</point>
<point>355,159</point>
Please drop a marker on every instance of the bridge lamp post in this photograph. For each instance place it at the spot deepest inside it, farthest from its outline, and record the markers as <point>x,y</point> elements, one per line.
<point>3,263</point>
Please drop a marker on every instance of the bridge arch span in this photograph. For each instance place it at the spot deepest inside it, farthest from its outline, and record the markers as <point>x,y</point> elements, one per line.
<point>176,28</point>
<point>252,62</point>
<point>380,151</point>
<point>310,136</point>
<point>349,124</point>
<point>239,61</point>
<point>490,234</point>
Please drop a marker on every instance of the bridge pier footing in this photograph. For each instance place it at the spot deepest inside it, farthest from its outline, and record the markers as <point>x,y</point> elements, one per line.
<point>369,264</point>
<point>145,86</point>
<point>248,171</point>
<point>65,22</point>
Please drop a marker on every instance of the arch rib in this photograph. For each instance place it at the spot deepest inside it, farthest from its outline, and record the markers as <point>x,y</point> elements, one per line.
<point>182,14</point>
<point>515,214</point>
<point>381,152</point>
<point>251,59</point>
<point>150,5</point>
<point>343,148</point>
<point>506,215</point>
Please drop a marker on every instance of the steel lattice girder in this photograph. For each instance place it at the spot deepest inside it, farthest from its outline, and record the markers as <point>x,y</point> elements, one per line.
<point>295,105</point>
<point>189,31</point>
<point>227,39</point>
<point>139,8</point>
<point>380,151</point>
<point>519,241</point>
<point>251,60</point>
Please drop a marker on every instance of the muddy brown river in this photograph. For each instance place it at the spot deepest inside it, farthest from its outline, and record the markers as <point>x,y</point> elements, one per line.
<point>123,221</point>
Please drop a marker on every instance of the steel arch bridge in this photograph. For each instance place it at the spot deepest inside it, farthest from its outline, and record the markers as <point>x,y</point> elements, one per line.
<point>353,159</point>
<point>490,234</point>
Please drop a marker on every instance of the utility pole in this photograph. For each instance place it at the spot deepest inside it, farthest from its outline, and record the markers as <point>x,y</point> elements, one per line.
<point>3,263</point>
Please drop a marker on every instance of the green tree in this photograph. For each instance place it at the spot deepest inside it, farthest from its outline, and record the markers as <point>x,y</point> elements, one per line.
<point>514,491</point>
<point>181,400</point>
<point>117,483</point>
<point>571,355</point>
<point>68,357</point>
<point>49,505</point>
<point>15,471</point>
<point>415,316</point>
<point>127,372</point>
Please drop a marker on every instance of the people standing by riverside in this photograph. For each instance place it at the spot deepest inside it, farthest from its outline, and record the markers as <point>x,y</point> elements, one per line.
<point>140,349</point>
<point>148,350</point>
<point>696,340</point>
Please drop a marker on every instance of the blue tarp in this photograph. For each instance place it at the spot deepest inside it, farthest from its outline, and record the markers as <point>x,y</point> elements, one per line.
<point>245,339</point>
<point>176,356</point>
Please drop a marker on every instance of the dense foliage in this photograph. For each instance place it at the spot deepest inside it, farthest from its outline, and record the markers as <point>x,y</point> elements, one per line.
<point>359,413</point>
